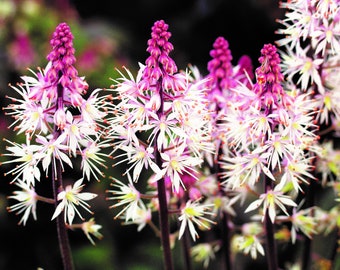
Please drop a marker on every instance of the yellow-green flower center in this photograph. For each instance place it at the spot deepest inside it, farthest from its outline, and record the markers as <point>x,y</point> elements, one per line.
<point>190,211</point>
<point>70,197</point>
<point>175,165</point>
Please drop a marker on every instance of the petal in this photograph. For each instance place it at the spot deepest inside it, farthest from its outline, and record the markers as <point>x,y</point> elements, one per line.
<point>58,210</point>
<point>86,196</point>
<point>272,213</point>
<point>254,205</point>
<point>182,228</point>
<point>70,213</point>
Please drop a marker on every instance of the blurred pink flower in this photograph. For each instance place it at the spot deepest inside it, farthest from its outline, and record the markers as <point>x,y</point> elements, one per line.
<point>20,51</point>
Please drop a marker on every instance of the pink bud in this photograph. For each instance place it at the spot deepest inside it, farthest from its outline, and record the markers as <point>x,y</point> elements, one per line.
<point>60,119</point>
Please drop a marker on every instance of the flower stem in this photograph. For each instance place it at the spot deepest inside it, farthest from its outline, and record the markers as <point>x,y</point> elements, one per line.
<point>64,245</point>
<point>224,221</point>
<point>162,200</point>
<point>307,246</point>
<point>164,224</point>
<point>225,228</point>
<point>57,183</point>
<point>271,251</point>
<point>186,250</point>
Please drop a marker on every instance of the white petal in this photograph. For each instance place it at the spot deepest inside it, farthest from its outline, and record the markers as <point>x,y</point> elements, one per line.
<point>182,228</point>
<point>78,183</point>
<point>70,214</point>
<point>272,213</point>
<point>86,196</point>
<point>65,158</point>
<point>287,201</point>
<point>254,205</point>
<point>58,210</point>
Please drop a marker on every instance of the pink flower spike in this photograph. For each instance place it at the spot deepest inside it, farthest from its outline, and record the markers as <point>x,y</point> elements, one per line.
<point>269,76</point>
<point>159,63</point>
<point>220,68</point>
<point>62,58</point>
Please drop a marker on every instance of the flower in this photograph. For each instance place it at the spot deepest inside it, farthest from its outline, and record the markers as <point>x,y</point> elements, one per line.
<point>141,217</point>
<point>194,213</point>
<point>296,171</point>
<point>90,227</point>
<point>326,36</point>
<point>307,68</point>
<point>70,199</point>
<point>269,78</point>
<point>303,221</point>
<point>127,196</point>
<point>27,198</point>
<point>28,155</point>
<point>204,253</point>
<point>140,156</point>
<point>249,244</point>
<point>176,162</point>
<point>53,149</point>
<point>29,115</point>
<point>270,200</point>
<point>245,168</point>
<point>92,157</point>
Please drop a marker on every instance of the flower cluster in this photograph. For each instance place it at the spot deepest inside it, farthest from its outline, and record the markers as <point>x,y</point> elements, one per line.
<point>270,133</point>
<point>311,60</point>
<point>160,122</point>
<point>277,130</point>
<point>315,65</point>
<point>58,124</point>
<point>197,148</point>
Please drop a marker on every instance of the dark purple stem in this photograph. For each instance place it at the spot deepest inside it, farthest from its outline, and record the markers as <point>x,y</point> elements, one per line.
<point>164,224</point>
<point>163,205</point>
<point>310,197</point>
<point>57,183</point>
<point>186,250</point>
<point>271,251</point>
<point>226,263</point>
<point>224,226</point>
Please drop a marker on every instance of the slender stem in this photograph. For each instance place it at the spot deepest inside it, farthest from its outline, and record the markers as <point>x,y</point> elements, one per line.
<point>164,224</point>
<point>44,199</point>
<point>57,183</point>
<point>310,192</point>
<point>185,239</point>
<point>225,229</point>
<point>186,250</point>
<point>64,244</point>
<point>154,228</point>
<point>307,247</point>
<point>271,250</point>
<point>224,224</point>
<point>335,250</point>
<point>162,199</point>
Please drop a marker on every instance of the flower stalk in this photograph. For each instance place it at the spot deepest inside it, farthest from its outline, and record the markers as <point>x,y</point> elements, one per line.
<point>162,198</point>
<point>59,124</point>
<point>63,240</point>
<point>271,248</point>
<point>57,186</point>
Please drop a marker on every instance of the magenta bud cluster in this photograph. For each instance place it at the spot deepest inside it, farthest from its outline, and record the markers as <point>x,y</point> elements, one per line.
<point>220,67</point>
<point>268,76</point>
<point>159,63</point>
<point>63,59</point>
